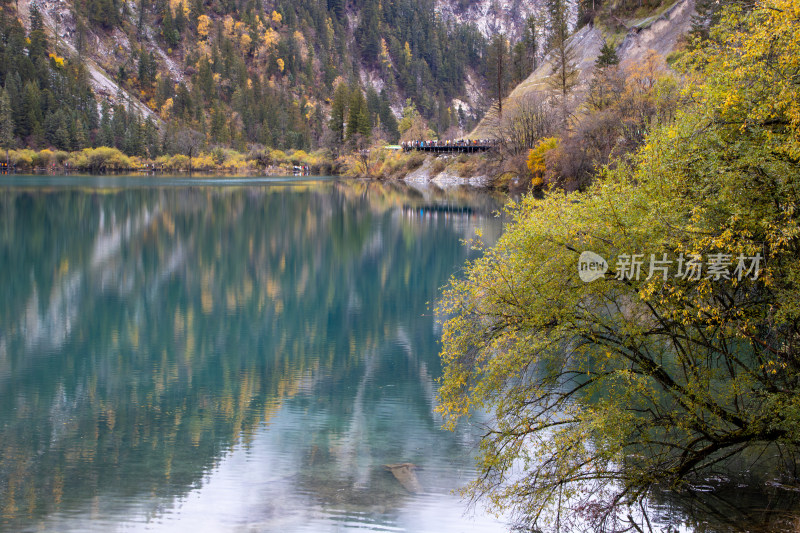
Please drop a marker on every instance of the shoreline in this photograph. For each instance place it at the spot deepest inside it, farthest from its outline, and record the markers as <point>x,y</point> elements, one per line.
<point>417,168</point>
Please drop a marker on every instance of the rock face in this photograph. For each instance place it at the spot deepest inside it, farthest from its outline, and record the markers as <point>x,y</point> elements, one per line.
<point>427,174</point>
<point>404,473</point>
<point>59,19</point>
<point>491,16</point>
<point>660,33</point>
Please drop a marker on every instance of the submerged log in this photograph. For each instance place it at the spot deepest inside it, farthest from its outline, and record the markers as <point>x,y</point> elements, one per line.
<point>404,473</point>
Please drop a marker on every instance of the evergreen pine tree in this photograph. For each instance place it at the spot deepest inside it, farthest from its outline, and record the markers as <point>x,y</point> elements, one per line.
<point>80,137</point>
<point>6,122</point>
<point>606,83</point>
<point>195,10</point>
<point>105,135</point>
<point>520,66</point>
<point>356,113</point>
<point>140,19</point>
<point>38,38</point>
<point>80,34</point>
<point>497,70</point>
<point>608,56</point>
<point>387,118</point>
<point>565,75</point>
<point>32,110</point>
<point>339,113</point>
<point>367,32</point>
<point>168,27</point>
<point>180,19</point>
<point>364,122</point>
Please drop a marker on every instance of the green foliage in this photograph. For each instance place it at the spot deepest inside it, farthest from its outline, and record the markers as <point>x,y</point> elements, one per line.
<point>498,70</point>
<point>608,56</point>
<point>168,30</point>
<point>255,73</point>
<point>339,112</point>
<point>49,99</point>
<point>412,126</point>
<point>103,13</point>
<point>601,390</point>
<point>6,121</point>
<point>565,75</point>
<point>358,121</point>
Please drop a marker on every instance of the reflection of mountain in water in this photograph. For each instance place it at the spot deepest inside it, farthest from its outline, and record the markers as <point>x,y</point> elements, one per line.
<point>244,358</point>
<point>143,332</point>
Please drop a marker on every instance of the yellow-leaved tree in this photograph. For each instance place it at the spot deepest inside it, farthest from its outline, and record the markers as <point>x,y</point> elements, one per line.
<point>647,330</point>
<point>536,159</point>
<point>203,26</point>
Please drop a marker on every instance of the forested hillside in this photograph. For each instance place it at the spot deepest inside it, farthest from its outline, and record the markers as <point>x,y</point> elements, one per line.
<point>176,76</point>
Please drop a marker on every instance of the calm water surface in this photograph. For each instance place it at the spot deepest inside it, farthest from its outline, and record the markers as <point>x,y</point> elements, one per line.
<point>223,355</point>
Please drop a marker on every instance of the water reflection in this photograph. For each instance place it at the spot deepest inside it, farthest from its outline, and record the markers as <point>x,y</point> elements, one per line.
<point>213,356</point>
<point>179,355</point>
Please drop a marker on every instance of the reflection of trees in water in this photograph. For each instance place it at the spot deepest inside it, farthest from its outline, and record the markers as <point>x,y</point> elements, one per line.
<point>728,505</point>
<point>145,331</point>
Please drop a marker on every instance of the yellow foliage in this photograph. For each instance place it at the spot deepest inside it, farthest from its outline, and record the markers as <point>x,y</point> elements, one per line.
<point>173,5</point>
<point>536,159</point>
<point>278,157</point>
<point>58,60</point>
<point>227,25</point>
<point>203,26</point>
<point>386,59</point>
<point>276,17</point>
<point>204,161</point>
<point>244,42</point>
<point>102,158</point>
<point>329,31</point>
<point>268,41</point>
<point>671,365</point>
<point>280,64</point>
<point>166,109</point>
<point>45,157</point>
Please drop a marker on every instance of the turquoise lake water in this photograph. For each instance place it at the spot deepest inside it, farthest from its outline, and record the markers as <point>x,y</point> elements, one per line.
<point>184,354</point>
<point>246,355</point>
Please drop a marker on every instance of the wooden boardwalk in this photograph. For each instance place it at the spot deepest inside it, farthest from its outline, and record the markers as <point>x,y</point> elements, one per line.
<point>458,147</point>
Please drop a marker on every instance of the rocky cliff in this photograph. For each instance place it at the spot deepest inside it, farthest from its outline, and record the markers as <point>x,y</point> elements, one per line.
<point>660,32</point>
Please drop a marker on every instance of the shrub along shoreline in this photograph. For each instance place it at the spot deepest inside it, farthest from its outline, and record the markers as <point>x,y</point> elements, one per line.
<point>380,165</point>
<point>224,160</point>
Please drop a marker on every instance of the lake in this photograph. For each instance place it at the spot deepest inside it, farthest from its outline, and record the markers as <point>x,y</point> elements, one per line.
<point>228,355</point>
<point>247,355</point>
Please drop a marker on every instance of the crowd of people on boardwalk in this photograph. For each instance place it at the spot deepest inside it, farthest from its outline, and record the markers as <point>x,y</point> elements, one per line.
<point>448,144</point>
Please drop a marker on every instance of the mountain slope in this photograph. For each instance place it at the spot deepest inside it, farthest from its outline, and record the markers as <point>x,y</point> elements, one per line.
<point>259,72</point>
<point>659,32</point>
